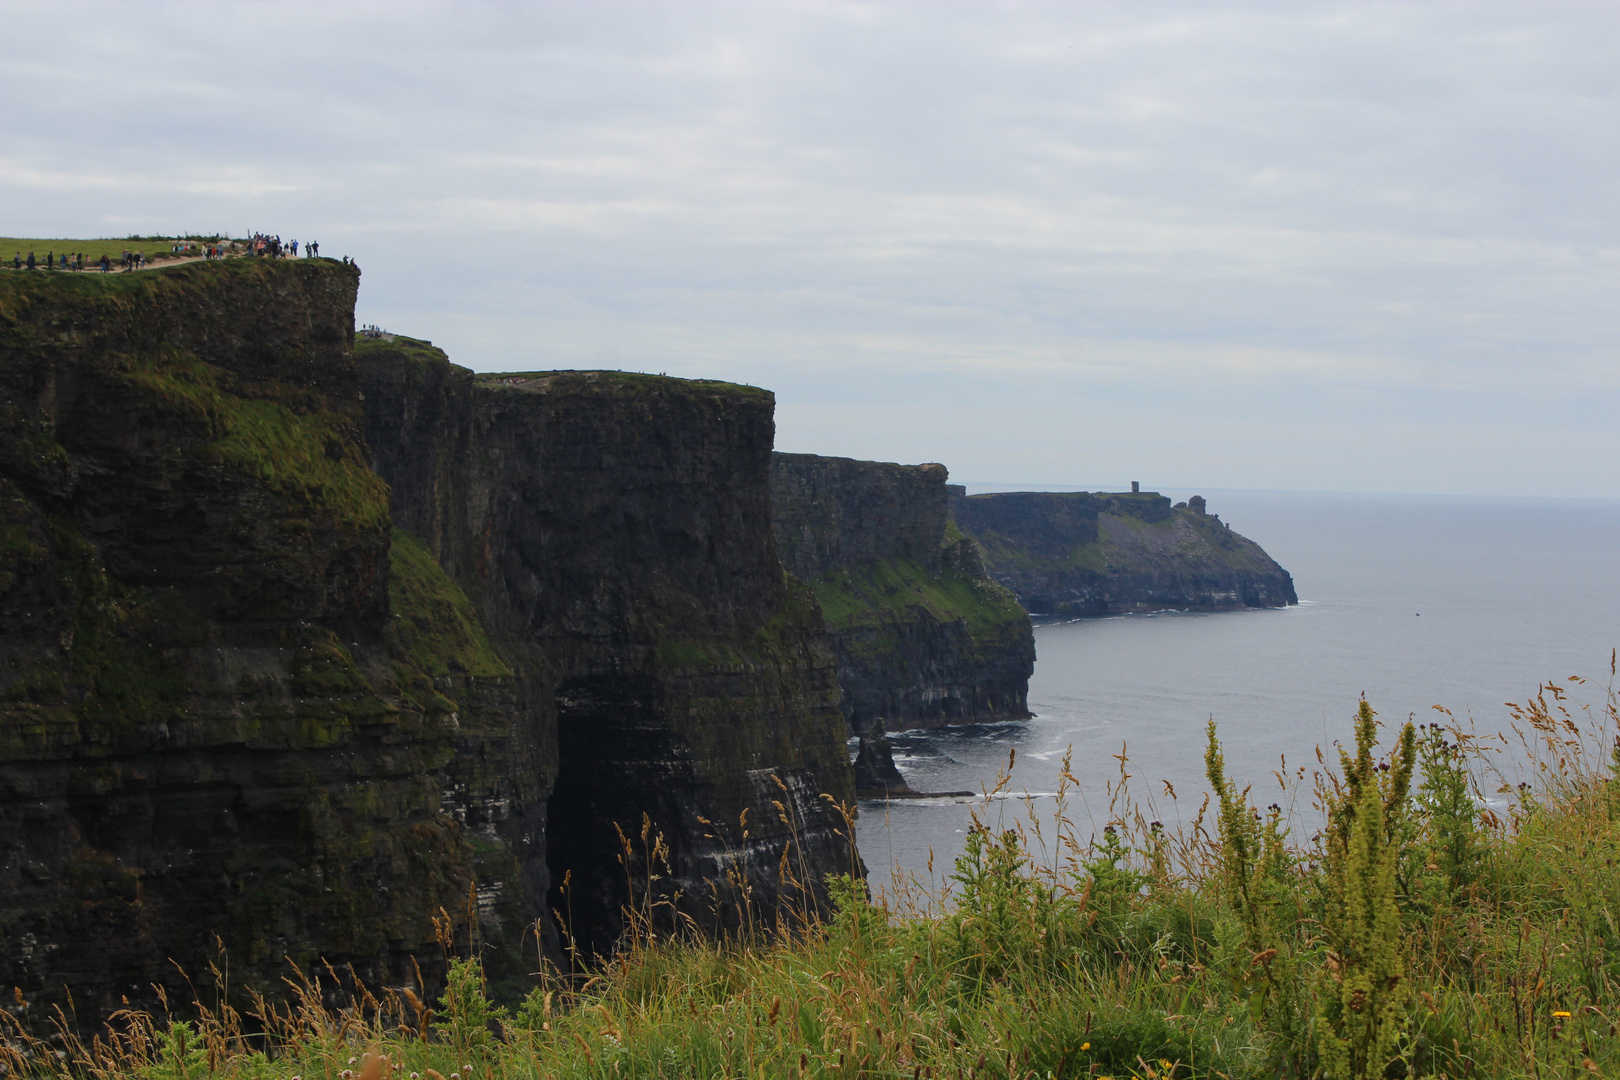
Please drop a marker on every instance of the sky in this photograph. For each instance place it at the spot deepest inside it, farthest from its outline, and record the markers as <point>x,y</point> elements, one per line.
<point>1291,246</point>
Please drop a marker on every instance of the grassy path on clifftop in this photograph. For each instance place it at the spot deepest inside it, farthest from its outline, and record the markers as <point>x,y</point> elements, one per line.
<point>1419,933</point>
<point>157,251</point>
<point>112,247</point>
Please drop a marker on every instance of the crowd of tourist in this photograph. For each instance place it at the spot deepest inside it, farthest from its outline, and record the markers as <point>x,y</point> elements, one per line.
<point>271,246</point>
<point>52,261</point>
<point>193,249</point>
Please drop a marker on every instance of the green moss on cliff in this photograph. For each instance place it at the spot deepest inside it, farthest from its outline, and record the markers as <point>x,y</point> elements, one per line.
<point>886,592</point>
<point>1125,541</point>
<point>290,437</point>
<point>780,640</point>
<point>310,455</point>
<point>1205,532</point>
<point>435,625</point>
<point>18,551</point>
<point>1092,553</point>
<point>685,653</point>
<point>794,622</point>
<point>192,550</point>
<point>416,350</point>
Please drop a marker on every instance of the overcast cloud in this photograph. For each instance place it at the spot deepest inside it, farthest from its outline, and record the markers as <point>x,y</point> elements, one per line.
<point>1332,247</point>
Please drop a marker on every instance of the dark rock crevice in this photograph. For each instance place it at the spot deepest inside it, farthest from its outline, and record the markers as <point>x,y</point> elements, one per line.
<point>611,804</point>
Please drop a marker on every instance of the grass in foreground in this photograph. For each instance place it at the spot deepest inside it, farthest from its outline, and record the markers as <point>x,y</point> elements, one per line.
<point>1417,934</point>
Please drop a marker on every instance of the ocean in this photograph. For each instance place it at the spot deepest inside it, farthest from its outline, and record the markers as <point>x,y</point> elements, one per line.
<point>1414,601</point>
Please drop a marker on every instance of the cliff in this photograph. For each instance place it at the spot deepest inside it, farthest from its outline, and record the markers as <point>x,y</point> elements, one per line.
<point>923,636</point>
<point>246,712</point>
<point>214,719</point>
<point>1096,553</point>
<point>617,527</point>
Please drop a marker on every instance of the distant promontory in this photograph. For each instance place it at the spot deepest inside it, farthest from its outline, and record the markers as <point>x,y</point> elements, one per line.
<point>1107,553</point>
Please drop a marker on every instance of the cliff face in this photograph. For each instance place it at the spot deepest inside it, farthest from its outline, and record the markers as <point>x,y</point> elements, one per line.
<point>615,531</point>
<point>1085,553</point>
<point>244,706</point>
<point>833,513</point>
<point>210,723</point>
<point>923,636</point>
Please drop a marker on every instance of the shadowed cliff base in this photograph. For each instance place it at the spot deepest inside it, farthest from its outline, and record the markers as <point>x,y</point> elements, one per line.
<point>1099,553</point>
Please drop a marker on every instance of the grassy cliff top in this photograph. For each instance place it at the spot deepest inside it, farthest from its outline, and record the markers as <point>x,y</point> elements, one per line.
<point>625,382</point>
<point>419,350</point>
<point>112,247</point>
<point>1140,496</point>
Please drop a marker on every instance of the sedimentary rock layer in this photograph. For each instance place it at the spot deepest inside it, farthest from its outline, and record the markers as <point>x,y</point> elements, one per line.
<point>924,637</point>
<point>1097,553</point>
<point>618,527</point>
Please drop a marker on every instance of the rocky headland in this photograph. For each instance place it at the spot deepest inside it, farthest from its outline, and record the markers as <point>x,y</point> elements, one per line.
<point>1105,553</point>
